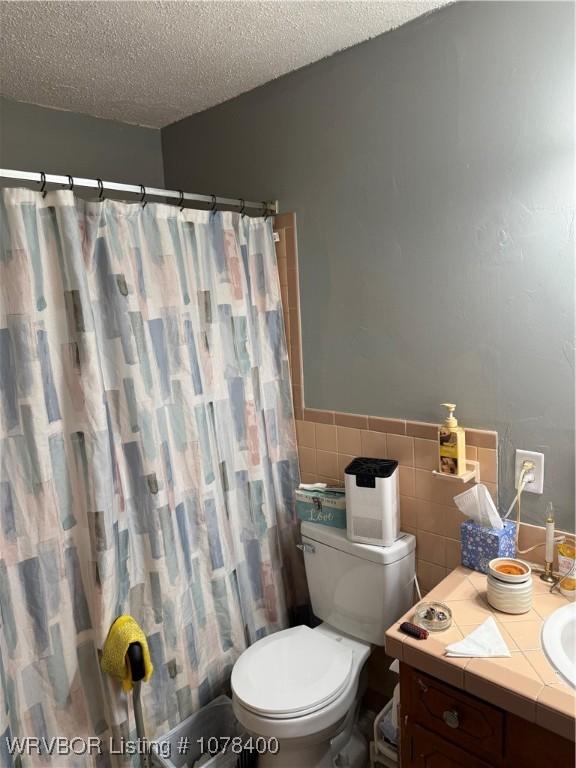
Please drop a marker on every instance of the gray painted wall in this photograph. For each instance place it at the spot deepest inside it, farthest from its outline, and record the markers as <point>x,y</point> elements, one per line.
<point>431,170</point>
<point>35,138</point>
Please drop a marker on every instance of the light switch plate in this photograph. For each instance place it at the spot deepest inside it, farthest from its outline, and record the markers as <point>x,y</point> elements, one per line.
<point>537,485</point>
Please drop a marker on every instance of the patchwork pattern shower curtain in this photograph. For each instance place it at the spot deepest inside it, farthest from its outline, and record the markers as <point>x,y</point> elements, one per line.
<point>147,457</point>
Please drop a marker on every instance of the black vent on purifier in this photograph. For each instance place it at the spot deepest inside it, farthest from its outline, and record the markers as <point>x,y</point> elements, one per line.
<point>367,470</point>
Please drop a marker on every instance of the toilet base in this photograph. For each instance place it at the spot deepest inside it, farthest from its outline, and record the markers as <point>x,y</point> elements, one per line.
<point>318,754</point>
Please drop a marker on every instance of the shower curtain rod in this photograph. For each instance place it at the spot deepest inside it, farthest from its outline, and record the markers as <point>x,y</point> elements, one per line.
<point>267,207</point>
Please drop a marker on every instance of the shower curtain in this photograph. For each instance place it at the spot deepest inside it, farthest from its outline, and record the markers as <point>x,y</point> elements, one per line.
<point>147,459</point>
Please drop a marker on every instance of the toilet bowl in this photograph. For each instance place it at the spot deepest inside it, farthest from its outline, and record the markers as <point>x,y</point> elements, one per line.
<point>298,689</point>
<point>298,681</point>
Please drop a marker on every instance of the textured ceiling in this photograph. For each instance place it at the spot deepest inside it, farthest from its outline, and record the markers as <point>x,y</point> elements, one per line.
<point>153,63</point>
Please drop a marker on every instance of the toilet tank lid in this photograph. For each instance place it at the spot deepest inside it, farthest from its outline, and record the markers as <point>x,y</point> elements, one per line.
<point>336,538</point>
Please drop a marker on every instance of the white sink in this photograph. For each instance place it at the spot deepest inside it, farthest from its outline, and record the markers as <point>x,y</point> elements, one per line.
<point>559,641</point>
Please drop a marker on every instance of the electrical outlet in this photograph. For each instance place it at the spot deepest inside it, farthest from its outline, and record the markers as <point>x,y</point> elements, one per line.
<point>537,485</point>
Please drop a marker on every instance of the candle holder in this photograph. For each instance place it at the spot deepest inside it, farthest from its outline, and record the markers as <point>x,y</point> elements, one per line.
<point>548,576</point>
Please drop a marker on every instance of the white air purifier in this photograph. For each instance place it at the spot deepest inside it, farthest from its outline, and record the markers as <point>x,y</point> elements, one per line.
<point>372,501</point>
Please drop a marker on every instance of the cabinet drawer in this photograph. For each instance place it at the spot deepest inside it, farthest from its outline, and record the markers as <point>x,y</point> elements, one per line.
<point>426,750</point>
<point>452,714</point>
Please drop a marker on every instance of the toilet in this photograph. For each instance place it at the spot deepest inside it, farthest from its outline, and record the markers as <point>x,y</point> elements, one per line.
<point>300,686</point>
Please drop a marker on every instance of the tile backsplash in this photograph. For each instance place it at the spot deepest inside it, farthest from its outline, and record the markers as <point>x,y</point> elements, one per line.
<point>329,440</point>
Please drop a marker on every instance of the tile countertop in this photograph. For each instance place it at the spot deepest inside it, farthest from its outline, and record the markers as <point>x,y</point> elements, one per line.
<point>524,684</point>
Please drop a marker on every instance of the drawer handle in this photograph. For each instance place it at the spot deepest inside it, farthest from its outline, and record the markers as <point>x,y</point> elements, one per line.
<point>451,718</point>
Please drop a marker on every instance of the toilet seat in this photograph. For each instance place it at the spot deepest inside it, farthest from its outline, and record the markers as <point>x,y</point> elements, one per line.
<point>292,673</point>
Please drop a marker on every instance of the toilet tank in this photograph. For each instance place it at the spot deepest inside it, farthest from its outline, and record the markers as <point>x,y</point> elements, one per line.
<point>358,589</point>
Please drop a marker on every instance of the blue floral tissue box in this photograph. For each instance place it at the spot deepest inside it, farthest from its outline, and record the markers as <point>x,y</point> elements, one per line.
<point>480,545</point>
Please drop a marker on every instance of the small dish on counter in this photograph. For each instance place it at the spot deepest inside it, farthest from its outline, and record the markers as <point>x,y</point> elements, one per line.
<point>433,616</point>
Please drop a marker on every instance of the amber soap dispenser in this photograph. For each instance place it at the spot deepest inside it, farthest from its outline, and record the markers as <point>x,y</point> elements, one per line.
<point>451,445</point>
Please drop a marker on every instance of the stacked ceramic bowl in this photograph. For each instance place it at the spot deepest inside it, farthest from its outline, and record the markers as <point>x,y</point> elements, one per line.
<point>509,587</point>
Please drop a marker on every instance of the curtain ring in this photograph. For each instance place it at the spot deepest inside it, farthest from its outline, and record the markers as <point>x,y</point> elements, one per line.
<point>100,190</point>
<point>70,183</point>
<point>265,210</point>
<point>43,182</point>
<point>143,196</point>
<point>213,208</point>
<point>181,201</point>
<point>242,207</point>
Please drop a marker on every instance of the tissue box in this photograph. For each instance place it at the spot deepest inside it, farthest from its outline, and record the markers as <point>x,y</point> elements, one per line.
<point>324,507</point>
<point>480,545</point>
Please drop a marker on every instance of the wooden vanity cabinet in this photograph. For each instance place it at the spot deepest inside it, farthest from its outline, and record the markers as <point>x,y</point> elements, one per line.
<point>444,727</point>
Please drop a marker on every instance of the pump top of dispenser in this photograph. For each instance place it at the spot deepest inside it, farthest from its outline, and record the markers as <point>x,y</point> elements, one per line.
<point>450,420</point>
